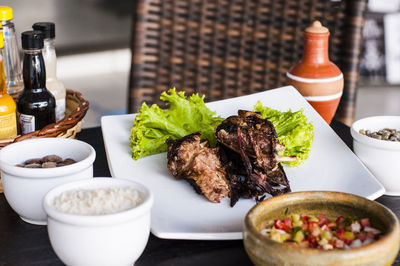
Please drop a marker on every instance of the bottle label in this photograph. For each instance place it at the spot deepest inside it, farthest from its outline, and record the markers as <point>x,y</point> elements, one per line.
<point>37,105</point>
<point>60,109</point>
<point>8,126</point>
<point>27,123</point>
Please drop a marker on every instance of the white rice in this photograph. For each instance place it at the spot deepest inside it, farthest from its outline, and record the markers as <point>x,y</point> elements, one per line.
<point>97,201</point>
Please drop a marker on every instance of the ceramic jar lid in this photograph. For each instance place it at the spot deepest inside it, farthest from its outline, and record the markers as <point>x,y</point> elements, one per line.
<point>316,27</point>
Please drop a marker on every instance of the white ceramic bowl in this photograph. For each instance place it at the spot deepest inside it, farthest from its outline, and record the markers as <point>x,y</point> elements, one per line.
<point>381,157</point>
<point>110,239</point>
<point>24,188</point>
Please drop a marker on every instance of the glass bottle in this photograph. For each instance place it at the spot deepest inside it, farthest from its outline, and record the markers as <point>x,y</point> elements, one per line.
<point>8,120</point>
<point>36,104</point>
<point>12,62</point>
<point>55,86</point>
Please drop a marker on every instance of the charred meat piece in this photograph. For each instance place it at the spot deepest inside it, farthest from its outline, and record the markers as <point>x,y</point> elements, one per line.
<point>181,152</point>
<point>255,140</point>
<point>244,182</point>
<point>256,124</point>
<point>194,160</point>
<point>236,175</point>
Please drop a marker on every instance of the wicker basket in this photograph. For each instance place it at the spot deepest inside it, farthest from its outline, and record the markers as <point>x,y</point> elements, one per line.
<point>76,108</point>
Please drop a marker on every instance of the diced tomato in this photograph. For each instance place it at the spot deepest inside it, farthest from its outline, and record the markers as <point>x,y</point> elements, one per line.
<point>332,225</point>
<point>305,219</point>
<point>313,224</point>
<point>304,244</point>
<point>362,236</point>
<point>339,219</point>
<point>340,233</point>
<point>313,245</point>
<point>365,222</point>
<point>304,226</point>
<point>347,241</point>
<point>325,227</point>
<point>339,243</point>
<point>288,223</point>
<point>341,225</point>
<point>312,240</point>
<point>322,220</point>
<point>316,231</point>
<point>319,232</point>
<point>279,224</point>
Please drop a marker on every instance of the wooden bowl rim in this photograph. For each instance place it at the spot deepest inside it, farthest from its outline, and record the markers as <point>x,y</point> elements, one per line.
<point>393,231</point>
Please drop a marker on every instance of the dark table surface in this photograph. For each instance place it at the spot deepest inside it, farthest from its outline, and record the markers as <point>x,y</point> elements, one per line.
<point>25,244</point>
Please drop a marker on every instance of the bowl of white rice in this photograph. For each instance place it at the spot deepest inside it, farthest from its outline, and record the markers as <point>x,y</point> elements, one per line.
<point>102,221</point>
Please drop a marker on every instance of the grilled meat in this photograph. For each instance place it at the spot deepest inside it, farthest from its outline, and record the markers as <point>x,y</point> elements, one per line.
<point>255,140</point>
<point>245,164</point>
<point>192,159</point>
<point>254,124</point>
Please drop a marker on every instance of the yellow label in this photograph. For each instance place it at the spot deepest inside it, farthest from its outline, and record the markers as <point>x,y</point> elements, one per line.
<point>8,126</point>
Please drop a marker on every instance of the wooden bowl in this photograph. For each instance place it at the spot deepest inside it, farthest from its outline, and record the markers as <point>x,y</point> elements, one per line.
<point>264,251</point>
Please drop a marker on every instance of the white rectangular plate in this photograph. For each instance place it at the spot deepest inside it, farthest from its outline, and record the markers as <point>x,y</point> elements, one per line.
<point>180,213</point>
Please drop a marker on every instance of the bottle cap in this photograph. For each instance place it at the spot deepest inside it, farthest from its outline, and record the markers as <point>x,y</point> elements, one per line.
<point>317,27</point>
<point>48,29</point>
<point>32,40</point>
<point>6,13</point>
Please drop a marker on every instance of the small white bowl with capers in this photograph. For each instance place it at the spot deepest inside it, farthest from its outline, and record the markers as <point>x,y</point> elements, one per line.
<point>376,141</point>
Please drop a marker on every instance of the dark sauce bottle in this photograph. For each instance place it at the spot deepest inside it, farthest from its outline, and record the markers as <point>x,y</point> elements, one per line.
<point>36,104</point>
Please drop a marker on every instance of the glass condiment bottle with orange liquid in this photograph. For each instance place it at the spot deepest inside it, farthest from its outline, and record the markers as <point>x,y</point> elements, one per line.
<point>12,62</point>
<point>8,117</point>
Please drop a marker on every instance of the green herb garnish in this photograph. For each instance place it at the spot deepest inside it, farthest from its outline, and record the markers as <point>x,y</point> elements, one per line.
<point>153,125</point>
<point>293,131</point>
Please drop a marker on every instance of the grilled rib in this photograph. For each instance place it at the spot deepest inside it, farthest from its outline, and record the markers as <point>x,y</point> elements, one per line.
<point>255,140</point>
<point>193,160</point>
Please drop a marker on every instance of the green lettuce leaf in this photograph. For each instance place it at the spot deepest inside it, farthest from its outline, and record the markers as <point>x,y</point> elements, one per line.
<point>293,131</point>
<point>153,125</point>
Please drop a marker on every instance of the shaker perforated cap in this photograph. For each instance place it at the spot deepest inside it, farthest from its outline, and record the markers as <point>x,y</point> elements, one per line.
<point>48,29</point>
<point>32,40</point>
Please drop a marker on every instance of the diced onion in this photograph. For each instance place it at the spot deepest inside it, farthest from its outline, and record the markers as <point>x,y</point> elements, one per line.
<point>356,243</point>
<point>355,227</point>
<point>372,230</point>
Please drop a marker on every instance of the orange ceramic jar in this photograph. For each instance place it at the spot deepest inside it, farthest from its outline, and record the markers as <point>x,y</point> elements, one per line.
<point>318,79</point>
